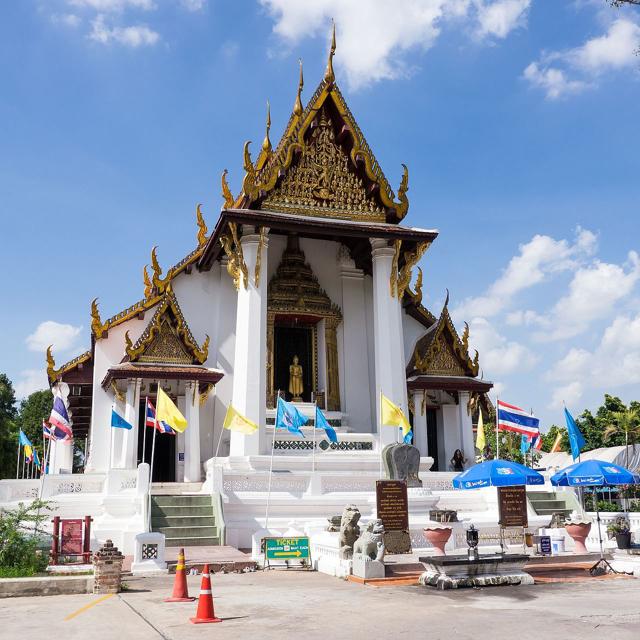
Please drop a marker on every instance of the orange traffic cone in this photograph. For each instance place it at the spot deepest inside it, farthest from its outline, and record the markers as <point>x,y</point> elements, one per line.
<point>205,602</point>
<point>180,589</point>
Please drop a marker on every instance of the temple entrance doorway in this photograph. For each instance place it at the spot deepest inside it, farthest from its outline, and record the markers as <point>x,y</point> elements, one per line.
<point>294,339</point>
<point>432,438</point>
<point>164,467</point>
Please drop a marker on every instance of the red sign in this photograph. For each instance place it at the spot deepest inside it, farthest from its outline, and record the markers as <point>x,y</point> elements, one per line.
<point>71,537</point>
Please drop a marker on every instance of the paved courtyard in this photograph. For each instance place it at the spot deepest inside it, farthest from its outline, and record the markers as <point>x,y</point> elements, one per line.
<point>280,605</point>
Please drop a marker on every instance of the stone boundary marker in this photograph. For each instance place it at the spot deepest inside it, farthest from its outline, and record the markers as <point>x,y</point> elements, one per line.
<point>107,568</point>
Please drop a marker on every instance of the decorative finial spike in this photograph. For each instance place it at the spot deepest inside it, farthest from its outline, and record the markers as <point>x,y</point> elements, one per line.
<point>329,75</point>
<point>297,107</point>
<point>266,143</point>
<point>446,301</point>
<point>202,227</point>
<point>226,192</point>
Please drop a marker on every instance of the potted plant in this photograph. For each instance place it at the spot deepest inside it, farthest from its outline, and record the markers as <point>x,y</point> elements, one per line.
<point>622,532</point>
<point>578,528</point>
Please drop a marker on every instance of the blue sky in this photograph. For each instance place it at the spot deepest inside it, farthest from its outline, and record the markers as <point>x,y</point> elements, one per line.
<point>517,119</point>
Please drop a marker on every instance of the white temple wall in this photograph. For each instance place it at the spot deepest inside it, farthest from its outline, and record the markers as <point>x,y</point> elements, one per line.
<point>322,256</point>
<point>412,331</point>
<point>371,365</point>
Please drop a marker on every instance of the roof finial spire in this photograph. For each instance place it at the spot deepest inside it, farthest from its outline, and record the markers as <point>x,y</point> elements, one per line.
<point>266,143</point>
<point>329,76</point>
<point>297,107</point>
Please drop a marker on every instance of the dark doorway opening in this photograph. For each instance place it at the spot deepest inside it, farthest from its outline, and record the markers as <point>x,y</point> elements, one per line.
<point>164,467</point>
<point>432,437</point>
<point>290,342</point>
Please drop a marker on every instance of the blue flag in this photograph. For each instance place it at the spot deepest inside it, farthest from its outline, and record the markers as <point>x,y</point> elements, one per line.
<point>576,440</point>
<point>408,438</point>
<point>289,418</point>
<point>323,423</point>
<point>525,444</point>
<point>118,421</point>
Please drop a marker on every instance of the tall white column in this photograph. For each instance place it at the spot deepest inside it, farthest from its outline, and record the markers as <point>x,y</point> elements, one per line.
<point>249,365</point>
<point>192,465</point>
<point>388,337</point>
<point>467,443</point>
<point>356,355</point>
<point>129,453</point>
<point>420,424</point>
<point>61,456</point>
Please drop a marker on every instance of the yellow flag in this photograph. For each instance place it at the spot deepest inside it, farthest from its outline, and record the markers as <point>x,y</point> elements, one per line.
<point>556,444</point>
<point>481,441</point>
<point>391,415</point>
<point>168,413</point>
<point>235,421</point>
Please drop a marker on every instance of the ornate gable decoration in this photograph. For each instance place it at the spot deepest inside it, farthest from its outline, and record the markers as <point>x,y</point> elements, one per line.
<point>167,338</point>
<point>322,165</point>
<point>441,352</point>
<point>322,184</point>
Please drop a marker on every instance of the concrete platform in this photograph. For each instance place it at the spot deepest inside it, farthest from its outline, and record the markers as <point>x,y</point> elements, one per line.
<point>219,558</point>
<point>45,586</point>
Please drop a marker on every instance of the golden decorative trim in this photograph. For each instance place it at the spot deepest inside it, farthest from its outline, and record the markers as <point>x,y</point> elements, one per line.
<point>423,404</point>
<point>410,260</point>
<point>261,243</point>
<point>393,276</point>
<point>97,328</point>
<point>118,395</point>
<point>417,296</point>
<point>333,382</point>
<point>52,372</point>
<point>226,192</point>
<point>297,106</point>
<point>236,266</point>
<point>167,337</point>
<point>266,143</point>
<point>249,188</point>
<point>465,337</point>
<point>329,75</point>
<point>412,404</point>
<point>148,287</point>
<point>202,227</point>
<point>204,393</point>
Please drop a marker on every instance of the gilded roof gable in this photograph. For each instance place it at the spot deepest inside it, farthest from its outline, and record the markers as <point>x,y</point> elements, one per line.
<point>167,338</point>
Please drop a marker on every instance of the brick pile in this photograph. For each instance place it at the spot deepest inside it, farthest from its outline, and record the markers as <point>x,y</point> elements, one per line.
<point>107,567</point>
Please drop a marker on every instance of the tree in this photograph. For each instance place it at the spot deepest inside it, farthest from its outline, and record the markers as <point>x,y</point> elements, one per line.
<point>626,423</point>
<point>8,430</point>
<point>619,3</point>
<point>33,410</point>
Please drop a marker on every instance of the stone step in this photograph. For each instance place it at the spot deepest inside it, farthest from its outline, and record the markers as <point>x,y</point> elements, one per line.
<point>192,542</point>
<point>182,521</point>
<point>548,504</point>
<point>186,511</point>
<point>181,501</point>
<point>188,532</point>
<point>550,512</point>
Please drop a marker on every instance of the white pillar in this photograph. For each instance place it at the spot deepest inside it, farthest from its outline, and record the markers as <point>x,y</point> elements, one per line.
<point>129,453</point>
<point>249,365</point>
<point>61,456</point>
<point>180,437</point>
<point>388,337</point>
<point>192,465</point>
<point>467,443</point>
<point>355,353</point>
<point>420,424</point>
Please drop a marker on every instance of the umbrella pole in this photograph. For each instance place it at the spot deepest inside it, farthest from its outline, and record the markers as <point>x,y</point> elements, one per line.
<point>602,566</point>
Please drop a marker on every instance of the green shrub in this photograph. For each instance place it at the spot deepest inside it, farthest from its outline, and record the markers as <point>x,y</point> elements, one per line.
<point>21,539</point>
<point>603,505</point>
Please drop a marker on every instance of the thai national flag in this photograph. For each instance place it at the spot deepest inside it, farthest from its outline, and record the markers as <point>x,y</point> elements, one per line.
<point>537,442</point>
<point>512,418</point>
<point>150,420</point>
<point>59,419</point>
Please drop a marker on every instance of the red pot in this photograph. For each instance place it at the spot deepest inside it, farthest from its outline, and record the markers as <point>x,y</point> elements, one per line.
<point>438,538</point>
<point>579,533</point>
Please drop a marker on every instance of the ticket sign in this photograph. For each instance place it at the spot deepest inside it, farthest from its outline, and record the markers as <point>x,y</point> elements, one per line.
<point>71,537</point>
<point>286,548</point>
<point>512,506</point>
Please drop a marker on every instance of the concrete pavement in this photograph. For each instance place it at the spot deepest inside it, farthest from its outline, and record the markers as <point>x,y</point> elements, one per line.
<point>278,604</point>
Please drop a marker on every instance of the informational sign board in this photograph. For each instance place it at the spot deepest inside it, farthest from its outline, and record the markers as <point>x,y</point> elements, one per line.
<point>545,545</point>
<point>512,506</point>
<point>296,548</point>
<point>392,504</point>
<point>71,537</point>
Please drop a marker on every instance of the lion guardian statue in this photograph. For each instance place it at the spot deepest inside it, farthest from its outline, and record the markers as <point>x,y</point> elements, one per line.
<point>349,530</point>
<point>371,542</point>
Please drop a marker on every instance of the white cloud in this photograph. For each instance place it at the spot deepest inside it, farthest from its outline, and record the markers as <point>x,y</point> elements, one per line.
<point>570,394</point>
<point>132,36</point>
<point>536,260</point>
<point>593,292</point>
<point>63,337</point>
<point>560,73</point>
<point>498,355</point>
<point>66,19</point>
<point>193,5</point>
<point>500,18</point>
<point>375,36</point>
<point>31,380</point>
<point>111,6</point>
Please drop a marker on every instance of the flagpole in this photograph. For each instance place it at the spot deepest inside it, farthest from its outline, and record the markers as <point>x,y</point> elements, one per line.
<point>113,406</point>
<point>153,450</point>
<point>24,463</point>
<point>144,433</point>
<point>18,460</point>
<point>497,433</point>
<point>380,430</point>
<point>86,453</point>
<point>273,446</point>
<point>315,426</point>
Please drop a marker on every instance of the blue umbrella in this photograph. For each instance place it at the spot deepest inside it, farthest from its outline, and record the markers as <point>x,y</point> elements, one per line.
<point>497,473</point>
<point>593,473</point>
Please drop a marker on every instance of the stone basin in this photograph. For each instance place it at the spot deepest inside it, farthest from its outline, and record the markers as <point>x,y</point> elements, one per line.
<point>453,572</point>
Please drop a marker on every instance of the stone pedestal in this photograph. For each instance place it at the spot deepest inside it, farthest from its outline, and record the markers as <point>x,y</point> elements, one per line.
<point>107,567</point>
<point>366,568</point>
<point>149,554</point>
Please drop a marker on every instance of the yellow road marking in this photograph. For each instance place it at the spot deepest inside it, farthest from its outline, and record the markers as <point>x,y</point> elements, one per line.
<point>88,606</point>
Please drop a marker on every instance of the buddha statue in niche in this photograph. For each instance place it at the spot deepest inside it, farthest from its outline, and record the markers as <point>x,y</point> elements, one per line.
<point>296,388</point>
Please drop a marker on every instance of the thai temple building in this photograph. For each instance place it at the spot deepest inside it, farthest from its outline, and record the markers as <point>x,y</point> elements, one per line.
<point>306,286</point>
